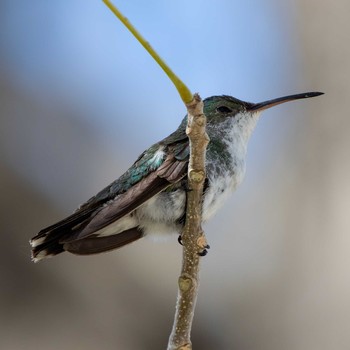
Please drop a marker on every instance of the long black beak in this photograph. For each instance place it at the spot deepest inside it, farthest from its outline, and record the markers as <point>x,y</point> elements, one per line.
<point>270,103</point>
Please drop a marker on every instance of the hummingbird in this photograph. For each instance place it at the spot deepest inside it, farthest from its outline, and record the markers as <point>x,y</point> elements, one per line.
<point>150,197</point>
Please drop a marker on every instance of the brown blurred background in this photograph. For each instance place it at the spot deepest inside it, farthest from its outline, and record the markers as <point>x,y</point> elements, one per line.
<point>278,274</point>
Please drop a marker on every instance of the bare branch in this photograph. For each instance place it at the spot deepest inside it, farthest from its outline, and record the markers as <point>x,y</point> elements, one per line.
<point>193,238</point>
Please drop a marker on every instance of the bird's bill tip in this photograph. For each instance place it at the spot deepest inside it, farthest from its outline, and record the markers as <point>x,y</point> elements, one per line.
<point>271,103</point>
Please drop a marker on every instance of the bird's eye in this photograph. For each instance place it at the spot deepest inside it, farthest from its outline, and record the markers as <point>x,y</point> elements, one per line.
<point>224,109</point>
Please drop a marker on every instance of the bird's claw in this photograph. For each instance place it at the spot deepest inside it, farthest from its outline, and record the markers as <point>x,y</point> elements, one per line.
<point>204,252</point>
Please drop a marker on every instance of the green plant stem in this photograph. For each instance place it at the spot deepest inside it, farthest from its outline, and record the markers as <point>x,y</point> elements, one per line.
<point>183,90</point>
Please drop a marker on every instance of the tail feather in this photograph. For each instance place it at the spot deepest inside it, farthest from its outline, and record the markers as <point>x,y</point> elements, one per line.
<point>46,250</point>
<point>47,242</point>
<point>95,245</point>
<point>60,237</point>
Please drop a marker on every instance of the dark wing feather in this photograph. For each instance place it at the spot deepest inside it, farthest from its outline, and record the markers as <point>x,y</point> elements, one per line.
<point>75,219</point>
<point>170,172</point>
<point>142,181</point>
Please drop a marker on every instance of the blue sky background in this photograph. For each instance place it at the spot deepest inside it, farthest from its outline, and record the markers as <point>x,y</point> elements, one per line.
<point>80,99</point>
<point>76,54</point>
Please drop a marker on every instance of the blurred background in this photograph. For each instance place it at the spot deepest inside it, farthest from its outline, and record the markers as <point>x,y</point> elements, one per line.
<point>80,99</point>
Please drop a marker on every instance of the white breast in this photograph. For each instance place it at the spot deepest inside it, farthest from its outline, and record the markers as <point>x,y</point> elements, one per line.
<point>219,190</point>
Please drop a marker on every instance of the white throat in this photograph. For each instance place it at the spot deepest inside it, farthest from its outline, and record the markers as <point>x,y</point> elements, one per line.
<point>225,177</point>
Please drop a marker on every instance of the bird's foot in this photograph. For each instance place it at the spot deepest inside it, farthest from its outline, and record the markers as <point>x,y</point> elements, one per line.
<point>204,252</point>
